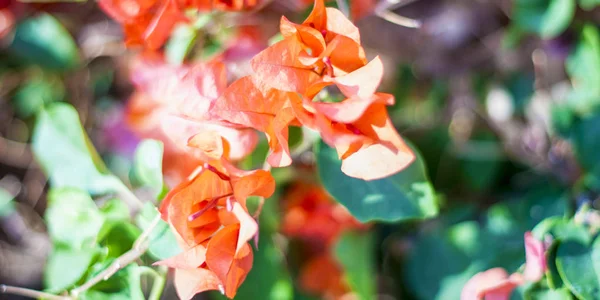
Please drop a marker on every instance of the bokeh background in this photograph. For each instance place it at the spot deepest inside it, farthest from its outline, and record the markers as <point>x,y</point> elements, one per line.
<point>482,91</point>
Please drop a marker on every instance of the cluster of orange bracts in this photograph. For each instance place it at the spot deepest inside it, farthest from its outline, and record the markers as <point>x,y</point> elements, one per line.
<point>150,22</point>
<point>205,122</point>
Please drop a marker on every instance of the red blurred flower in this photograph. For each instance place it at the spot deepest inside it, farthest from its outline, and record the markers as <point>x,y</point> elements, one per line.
<point>311,216</point>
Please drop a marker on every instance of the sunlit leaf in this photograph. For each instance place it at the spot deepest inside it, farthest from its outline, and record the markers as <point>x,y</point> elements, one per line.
<point>548,18</point>
<point>115,210</point>
<point>66,267</point>
<point>65,153</point>
<point>163,243</point>
<point>180,44</point>
<point>147,166</point>
<point>72,218</point>
<point>125,284</point>
<point>118,237</point>
<point>404,196</point>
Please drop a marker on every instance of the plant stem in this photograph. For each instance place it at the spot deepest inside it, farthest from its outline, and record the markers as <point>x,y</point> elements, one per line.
<point>384,11</point>
<point>139,248</point>
<point>129,197</point>
<point>158,284</point>
<point>7,289</point>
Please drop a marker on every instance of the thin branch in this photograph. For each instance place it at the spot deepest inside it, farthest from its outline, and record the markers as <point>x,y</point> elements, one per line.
<point>139,248</point>
<point>7,289</point>
<point>129,197</point>
<point>384,11</point>
<point>398,19</point>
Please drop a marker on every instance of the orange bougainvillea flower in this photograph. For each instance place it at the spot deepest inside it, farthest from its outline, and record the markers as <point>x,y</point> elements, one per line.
<point>270,112</point>
<point>145,22</point>
<point>173,104</point>
<point>149,23</point>
<point>358,127</point>
<point>323,50</point>
<point>314,54</point>
<point>209,216</point>
<point>311,216</point>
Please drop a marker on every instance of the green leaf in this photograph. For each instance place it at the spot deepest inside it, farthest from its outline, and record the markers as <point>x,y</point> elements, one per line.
<point>558,294</point>
<point>438,267</point>
<point>115,210</point>
<point>583,68</point>
<point>43,40</point>
<point>65,153</point>
<point>589,4</point>
<point>403,196</point>
<point>548,18</point>
<point>180,44</point>
<point>125,284</point>
<point>36,92</point>
<point>444,258</point>
<point>579,267</point>
<point>72,218</point>
<point>7,207</point>
<point>355,253</point>
<point>65,267</point>
<point>147,166</point>
<point>163,243</point>
<point>586,140</point>
<point>118,237</point>
<point>561,230</point>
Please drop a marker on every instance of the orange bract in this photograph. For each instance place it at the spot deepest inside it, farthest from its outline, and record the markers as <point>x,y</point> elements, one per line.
<point>323,50</point>
<point>149,23</point>
<point>209,216</point>
<point>313,54</point>
<point>358,127</point>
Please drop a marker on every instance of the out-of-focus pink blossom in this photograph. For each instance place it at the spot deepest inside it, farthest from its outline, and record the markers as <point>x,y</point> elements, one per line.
<point>496,284</point>
<point>535,258</point>
<point>493,284</point>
